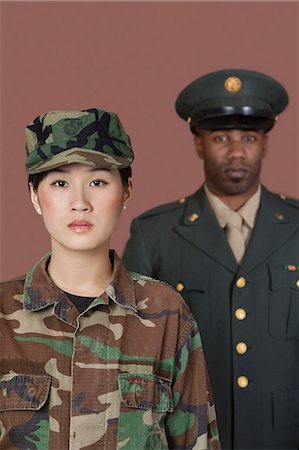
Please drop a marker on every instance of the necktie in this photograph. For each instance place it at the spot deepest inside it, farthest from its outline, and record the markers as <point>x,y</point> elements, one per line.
<point>234,235</point>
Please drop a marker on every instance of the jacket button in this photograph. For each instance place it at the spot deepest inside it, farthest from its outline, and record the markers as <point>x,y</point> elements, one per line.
<point>297,283</point>
<point>242,382</point>
<point>240,314</point>
<point>179,287</point>
<point>241,282</point>
<point>241,348</point>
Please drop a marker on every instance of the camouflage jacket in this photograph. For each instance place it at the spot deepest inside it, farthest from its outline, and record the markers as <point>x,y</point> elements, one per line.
<point>127,373</point>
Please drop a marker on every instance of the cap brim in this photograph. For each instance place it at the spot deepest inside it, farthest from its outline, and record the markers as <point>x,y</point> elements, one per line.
<point>233,122</point>
<point>78,155</point>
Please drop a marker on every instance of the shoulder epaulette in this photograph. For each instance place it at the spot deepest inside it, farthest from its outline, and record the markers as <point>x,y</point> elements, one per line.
<point>165,207</point>
<point>289,201</point>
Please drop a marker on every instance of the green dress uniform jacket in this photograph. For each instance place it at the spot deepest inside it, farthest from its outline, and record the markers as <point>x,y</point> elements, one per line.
<point>248,316</point>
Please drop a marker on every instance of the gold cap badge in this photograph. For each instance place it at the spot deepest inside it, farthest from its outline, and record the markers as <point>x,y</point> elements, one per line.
<point>233,84</point>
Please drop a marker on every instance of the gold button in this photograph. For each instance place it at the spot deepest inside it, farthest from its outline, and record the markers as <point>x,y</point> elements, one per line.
<point>179,287</point>
<point>240,314</point>
<point>182,200</point>
<point>193,217</point>
<point>242,382</point>
<point>241,348</point>
<point>282,196</point>
<point>279,216</point>
<point>241,282</point>
<point>297,283</point>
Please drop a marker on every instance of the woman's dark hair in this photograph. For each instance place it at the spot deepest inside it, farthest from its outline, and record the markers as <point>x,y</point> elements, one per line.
<point>37,178</point>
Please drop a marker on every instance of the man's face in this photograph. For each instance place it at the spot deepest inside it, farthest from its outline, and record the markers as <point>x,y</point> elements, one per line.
<point>232,159</point>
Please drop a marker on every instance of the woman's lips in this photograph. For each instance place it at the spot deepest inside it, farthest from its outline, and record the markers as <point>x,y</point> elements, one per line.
<point>80,226</point>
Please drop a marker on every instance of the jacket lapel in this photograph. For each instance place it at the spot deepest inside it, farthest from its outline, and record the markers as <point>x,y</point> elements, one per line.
<point>201,229</point>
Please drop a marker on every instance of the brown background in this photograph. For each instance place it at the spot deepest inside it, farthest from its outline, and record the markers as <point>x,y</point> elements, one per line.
<point>134,58</point>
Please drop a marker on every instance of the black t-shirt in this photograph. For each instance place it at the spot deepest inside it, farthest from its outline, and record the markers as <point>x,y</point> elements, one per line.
<point>81,303</point>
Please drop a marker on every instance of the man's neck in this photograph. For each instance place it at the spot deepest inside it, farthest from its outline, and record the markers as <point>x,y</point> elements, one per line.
<point>235,201</point>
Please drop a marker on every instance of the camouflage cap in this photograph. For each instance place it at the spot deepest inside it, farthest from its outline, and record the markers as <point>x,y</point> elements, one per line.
<point>92,137</point>
<point>232,98</point>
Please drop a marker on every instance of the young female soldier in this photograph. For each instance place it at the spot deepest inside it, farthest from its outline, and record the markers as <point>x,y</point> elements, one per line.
<point>89,357</point>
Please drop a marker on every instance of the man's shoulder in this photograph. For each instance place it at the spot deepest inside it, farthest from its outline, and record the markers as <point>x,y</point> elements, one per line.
<point>285,200</point>
<point>174,207</point>
<point>293,202</point>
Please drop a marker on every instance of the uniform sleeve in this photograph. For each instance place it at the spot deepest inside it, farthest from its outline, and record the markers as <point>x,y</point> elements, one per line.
<point>135,256</point>
<point>192,424</point>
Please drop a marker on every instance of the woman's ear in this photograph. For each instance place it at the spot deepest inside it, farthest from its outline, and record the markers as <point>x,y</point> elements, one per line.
<point>34,200</point>
<point>127,192</point>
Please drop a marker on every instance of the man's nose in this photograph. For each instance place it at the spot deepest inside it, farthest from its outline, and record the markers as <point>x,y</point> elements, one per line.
<point>236,148</point>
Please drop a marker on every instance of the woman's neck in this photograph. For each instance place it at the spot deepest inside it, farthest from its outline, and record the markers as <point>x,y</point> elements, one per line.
<point>86,273</point>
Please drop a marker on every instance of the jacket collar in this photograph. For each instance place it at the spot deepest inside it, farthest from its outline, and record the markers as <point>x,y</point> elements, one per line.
<point>200,228</point>
<point>273,227</point>
<point>40,291</point>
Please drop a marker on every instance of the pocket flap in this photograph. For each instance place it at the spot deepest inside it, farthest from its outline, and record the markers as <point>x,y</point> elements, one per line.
<point>145,391</point>
<point>199,282</point>
<point>23,392</point>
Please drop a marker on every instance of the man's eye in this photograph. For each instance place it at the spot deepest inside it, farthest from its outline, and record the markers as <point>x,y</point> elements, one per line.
<point>220,138</point>
<point>59,183</point>
<point>249,138</point>
<point>98,183</point>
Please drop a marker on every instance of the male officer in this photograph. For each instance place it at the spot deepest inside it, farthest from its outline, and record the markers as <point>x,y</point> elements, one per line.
<point>231,249</point>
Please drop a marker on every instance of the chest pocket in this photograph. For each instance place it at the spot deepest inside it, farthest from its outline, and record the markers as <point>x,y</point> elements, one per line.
<point>24,410</point>
<point>23,392</point>
<point>284,303</point>
<point>146,399</point>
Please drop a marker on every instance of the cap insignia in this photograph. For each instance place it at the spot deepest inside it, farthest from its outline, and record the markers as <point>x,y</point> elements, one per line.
<point>233,84</point>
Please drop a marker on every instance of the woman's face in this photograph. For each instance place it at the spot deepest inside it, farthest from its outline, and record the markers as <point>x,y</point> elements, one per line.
<point>80,206</point>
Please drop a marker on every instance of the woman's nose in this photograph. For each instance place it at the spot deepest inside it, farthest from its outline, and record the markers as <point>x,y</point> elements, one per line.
<point>80,201</point>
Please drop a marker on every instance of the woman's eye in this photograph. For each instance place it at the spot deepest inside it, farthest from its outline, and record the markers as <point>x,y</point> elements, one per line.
<point>60,183</point>
<point>98,183</point>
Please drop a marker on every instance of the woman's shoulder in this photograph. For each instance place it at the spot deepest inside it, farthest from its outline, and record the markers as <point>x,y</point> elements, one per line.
<point>159,293</point>
<point>12,282</point>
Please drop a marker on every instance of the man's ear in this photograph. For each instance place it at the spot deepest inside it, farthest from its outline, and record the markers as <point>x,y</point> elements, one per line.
<point>265,143</point>
<point>34,200</point>
<point>199,146</point>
